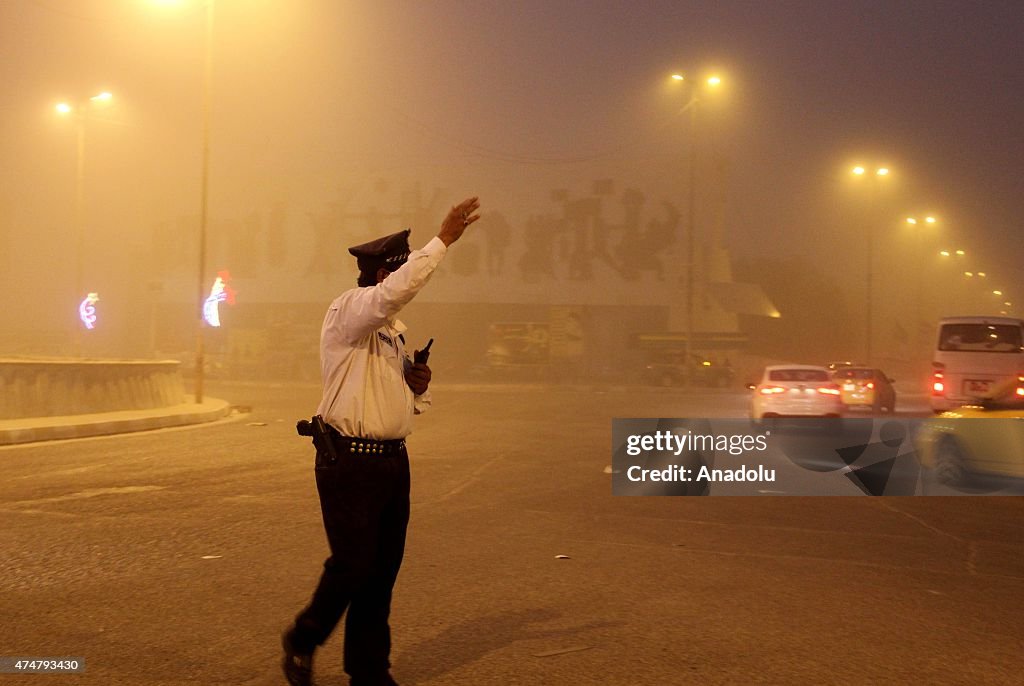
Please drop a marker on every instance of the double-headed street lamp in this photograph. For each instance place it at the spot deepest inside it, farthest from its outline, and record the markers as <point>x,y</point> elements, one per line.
<point>959,297</point>
<point>693,105</point>
<point>984,289</point>
<point>80,113</point>
<point>880,173</point>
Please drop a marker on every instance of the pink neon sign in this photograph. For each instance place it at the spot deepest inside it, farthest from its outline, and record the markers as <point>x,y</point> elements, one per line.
<point>87,310</point>
<point>220,292</point>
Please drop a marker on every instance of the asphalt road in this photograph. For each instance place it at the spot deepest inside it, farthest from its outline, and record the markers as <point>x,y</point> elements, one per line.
<point>178,556</point>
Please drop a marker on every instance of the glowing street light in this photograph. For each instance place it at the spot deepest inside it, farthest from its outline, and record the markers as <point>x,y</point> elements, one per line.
<point>861,171</point>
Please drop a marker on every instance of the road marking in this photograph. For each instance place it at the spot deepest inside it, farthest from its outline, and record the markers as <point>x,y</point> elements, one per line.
<point>63,472</point>
<point>90,493</point>
<point>466,483</point>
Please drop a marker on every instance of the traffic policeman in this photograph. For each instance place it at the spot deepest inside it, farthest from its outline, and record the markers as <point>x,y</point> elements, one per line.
<point>371,390</point>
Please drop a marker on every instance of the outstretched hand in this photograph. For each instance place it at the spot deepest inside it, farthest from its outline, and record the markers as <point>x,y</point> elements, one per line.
<point>458,219</point>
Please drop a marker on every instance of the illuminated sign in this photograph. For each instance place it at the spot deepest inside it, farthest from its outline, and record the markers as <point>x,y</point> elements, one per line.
<point>87,310</point>
<point>219,293</point>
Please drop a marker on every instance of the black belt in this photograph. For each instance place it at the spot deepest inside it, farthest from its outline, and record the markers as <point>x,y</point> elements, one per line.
<point>366,446</point>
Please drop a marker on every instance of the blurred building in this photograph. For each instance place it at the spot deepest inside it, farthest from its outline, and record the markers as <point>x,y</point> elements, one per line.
<point>590,284</point>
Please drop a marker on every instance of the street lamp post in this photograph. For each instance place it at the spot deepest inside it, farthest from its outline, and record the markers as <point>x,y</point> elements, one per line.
<point>79,112</point>
<point>692,106</point>
<point>203,198</point>
<point>691,231</point>
<point>203,202</point>
<point>880,173</point>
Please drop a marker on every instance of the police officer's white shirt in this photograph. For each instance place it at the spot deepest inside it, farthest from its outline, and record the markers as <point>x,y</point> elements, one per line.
<point>362,357</point>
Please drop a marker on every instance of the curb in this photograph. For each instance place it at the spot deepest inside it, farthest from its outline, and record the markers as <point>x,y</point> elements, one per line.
<point>32,429</point>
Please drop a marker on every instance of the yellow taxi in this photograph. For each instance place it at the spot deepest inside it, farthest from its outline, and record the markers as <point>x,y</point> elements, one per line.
<point>984,439</point>
<point>866,387</point>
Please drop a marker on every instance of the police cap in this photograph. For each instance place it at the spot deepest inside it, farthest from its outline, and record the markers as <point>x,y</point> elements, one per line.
<point>389,252</point>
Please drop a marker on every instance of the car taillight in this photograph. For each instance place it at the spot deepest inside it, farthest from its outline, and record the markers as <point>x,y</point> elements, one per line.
<point>870,385</point>
<point>829,390</point>
<point>938,387</point>
<point>1020,385</point>
<point>768,390</point>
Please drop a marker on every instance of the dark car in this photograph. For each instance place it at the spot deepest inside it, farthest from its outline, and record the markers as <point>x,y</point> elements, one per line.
<point>866,387</point>
<point>669,370</point>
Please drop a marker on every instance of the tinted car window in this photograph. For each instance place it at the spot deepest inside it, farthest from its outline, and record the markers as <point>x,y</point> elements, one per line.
<point>861,374</point>
<point>798,375</point>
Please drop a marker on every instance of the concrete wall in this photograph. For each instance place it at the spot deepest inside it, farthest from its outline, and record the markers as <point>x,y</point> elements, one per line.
<point>49,388</point>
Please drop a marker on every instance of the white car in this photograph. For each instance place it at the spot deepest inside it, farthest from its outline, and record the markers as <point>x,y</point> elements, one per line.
<point>796,390</point>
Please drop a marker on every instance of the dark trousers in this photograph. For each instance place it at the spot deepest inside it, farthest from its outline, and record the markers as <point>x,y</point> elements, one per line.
<point>365,505</point>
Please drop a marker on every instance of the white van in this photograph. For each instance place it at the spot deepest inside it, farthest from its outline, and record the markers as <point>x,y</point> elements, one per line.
<point>976,358</point>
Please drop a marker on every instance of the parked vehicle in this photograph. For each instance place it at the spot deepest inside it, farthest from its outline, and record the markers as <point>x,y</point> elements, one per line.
<point>669,370</point>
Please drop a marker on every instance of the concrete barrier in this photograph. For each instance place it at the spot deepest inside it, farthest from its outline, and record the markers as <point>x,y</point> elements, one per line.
<point>56,387</point>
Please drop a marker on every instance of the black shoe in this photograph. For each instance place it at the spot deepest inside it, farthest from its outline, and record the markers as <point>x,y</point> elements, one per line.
<point>298,667</point>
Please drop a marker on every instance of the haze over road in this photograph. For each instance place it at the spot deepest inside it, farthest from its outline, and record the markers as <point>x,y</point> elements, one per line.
<point>177,557</point>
